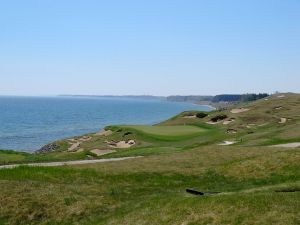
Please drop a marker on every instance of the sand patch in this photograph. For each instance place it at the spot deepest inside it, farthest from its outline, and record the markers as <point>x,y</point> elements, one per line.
<point>104,133</point>
<point>289,145</point>
<point>213,123</point>
<point>190,117</point>
<point>227,143</point>
<point>85,138</point>
<point>226,122</point>
<point>121,144</point>
<point>73,147</point>
<point>282,120</point>
<point>99,152</point>
<point>240,110</point>
<point>251,125</point>
<point>280,96</point>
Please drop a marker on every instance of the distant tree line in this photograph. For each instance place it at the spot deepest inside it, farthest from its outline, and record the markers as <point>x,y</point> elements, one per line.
<point>239,98</point>
<point>190,98</point>
<point>217,98</point>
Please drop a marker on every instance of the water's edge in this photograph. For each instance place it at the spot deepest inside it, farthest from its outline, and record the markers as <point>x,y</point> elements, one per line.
<point>28,123</point>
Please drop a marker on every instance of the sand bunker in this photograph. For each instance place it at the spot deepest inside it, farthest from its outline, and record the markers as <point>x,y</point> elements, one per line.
<point>121,144</point>
<point>228,121</point>
<point>75,144</point>
<point>280,96</point>
<point>190,117</point>
<point>73,147</point>
<point>99,152</point>
<point>240,110</point>
<point>227,143</point>
<point>289,145</point>
<point>85,138</point>
<point>282,120</point>
<point>251,125</point>
<point>213,123</point>
<point>104,133</point>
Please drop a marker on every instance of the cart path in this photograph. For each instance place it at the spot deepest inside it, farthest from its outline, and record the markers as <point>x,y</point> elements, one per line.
<point>66,163</point>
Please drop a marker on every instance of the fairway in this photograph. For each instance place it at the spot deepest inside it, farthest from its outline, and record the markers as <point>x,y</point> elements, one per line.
<point>169,130</point>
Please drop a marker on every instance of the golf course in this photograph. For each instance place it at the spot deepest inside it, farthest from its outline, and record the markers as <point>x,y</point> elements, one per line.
<point>237,165</point>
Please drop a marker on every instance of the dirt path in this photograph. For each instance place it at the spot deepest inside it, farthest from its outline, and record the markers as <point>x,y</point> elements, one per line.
<point>288,145</point>
<point>66,163</point>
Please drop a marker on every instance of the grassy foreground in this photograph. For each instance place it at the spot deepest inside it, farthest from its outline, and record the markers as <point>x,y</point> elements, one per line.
<point>258,183</point>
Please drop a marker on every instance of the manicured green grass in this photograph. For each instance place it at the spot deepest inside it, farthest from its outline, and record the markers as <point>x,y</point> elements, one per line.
<point>168,130</point>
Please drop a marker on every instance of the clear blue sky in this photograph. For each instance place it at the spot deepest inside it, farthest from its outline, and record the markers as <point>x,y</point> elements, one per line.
<point>158,47</point>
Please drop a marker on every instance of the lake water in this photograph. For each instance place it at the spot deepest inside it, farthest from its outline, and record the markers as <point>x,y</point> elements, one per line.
<point>28,123</point>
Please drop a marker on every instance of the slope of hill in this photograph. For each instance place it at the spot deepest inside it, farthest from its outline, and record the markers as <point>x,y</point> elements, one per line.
<point>245,158</point>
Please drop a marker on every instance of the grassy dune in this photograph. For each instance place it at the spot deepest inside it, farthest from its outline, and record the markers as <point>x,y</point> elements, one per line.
<point>258,184</point>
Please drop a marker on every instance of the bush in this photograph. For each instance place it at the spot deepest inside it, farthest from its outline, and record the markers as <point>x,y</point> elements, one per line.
<point>218,118</point>
<point>189,114</point>
<point>201,115</point>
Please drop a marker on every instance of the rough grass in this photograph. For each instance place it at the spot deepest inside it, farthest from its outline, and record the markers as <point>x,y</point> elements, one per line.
<point>151,190</point>
<point>11,156</point>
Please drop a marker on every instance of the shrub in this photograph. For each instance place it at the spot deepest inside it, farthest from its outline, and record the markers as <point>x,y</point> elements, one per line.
<point>189,114</point>
<point>218,118</point>
<point>201,115</point>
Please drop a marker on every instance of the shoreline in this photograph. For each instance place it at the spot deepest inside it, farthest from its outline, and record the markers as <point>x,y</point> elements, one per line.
<point>18,142</point>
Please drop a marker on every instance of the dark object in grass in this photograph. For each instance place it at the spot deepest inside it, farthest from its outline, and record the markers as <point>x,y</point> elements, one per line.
<point>199,193</point>
<point>231,131</point>
<point>127,133</point>
<point>218,118</point>
<point>193,192</point>
<point>201,115</point>
<point>288,190</point>
<point>189,114</point>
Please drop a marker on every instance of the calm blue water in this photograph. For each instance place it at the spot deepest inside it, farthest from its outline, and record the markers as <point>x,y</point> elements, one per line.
<point>28,123</point>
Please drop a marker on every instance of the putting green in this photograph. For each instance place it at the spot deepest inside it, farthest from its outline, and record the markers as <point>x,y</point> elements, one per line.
<point>169,130</point>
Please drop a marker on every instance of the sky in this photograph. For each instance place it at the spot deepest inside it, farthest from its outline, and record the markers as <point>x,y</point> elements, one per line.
<point>154,47</point>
